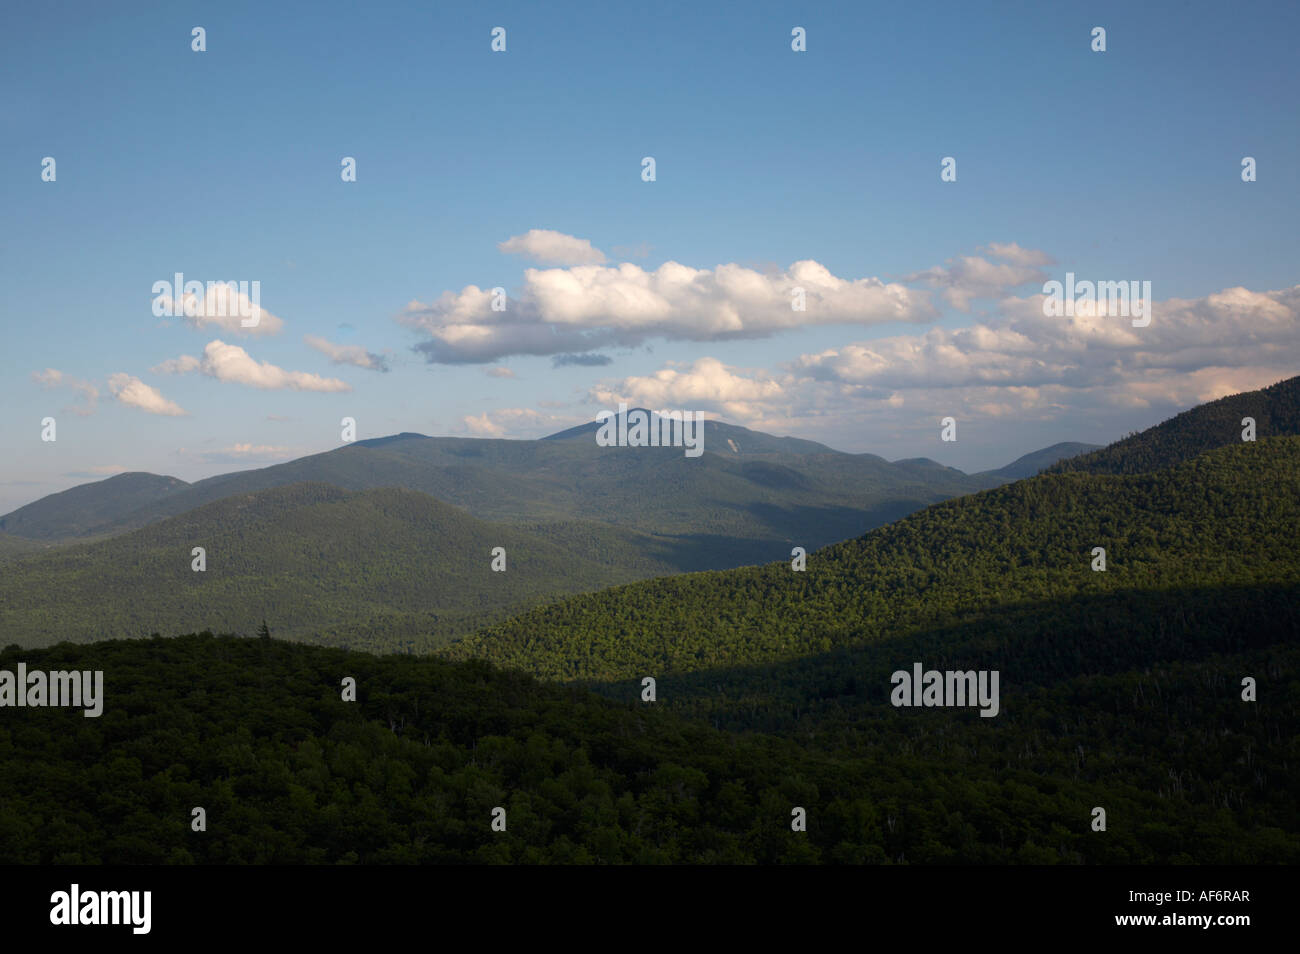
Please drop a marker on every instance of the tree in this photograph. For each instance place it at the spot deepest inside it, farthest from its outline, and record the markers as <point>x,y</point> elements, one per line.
<point>263,632</point>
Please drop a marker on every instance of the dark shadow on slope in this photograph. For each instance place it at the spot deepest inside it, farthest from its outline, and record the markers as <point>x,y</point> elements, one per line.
<point>1034,646</point>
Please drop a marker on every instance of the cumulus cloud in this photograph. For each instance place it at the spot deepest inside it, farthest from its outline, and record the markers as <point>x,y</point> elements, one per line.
<point>1234,328</point>
<point>222,306</point>
<point>512,422</point>
<point>968,277</point>
<point>49,378</point>
<point>347,354</point>
<point>1020,365</point>
<point>552,248</point>
<point>135,393</point>
<point>705,385</point>
<point>227,362</point>
<point>500,371</point>
<point>580,309</point>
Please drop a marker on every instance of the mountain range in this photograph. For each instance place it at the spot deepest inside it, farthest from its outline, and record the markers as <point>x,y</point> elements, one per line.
<point>746,484</point>
<point>387,543</point>
<point>1158,681</point>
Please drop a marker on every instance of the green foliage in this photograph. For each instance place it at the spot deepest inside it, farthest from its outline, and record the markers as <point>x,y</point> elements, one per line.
<point>387,569</point>
<point>255,732</point>
<point>13,548</point>
<point>1229,517</point>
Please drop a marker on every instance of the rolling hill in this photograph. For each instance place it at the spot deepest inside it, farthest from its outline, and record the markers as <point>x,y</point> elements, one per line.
<point>380,568</point>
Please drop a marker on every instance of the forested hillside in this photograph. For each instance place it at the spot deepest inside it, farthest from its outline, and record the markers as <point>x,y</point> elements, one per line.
<point>387,570</point>
<point>12,547</point>
<point>255,732</point>
<point>1228,517</point>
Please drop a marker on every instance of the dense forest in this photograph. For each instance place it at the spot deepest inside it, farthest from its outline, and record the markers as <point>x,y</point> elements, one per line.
<point>1229,517</point>
<point>256,733</point>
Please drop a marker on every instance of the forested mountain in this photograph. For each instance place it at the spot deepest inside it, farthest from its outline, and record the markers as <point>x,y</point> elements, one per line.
<point>89,509</point>
<point>381,568</point>
<point>748,496</point>
<point>255,732</point>
<point>1275,409</point>
<point>392,569</point>
<point>1228,517</point>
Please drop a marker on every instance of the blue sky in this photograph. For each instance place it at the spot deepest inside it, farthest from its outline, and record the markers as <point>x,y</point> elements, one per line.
<point>225,165</point>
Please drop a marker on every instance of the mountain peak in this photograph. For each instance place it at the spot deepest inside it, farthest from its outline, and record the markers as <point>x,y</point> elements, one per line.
<point>391,439</point>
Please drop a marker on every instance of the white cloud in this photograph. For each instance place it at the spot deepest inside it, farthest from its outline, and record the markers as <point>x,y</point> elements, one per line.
<point>968,277</point>
<point>227,362</point>
<point>552,248</point>
<point>705,385</point>
<point>500,371</point>
<point>576,310</point>
<point>1021,347</point>
<point>1020,365</point>
<point>514,422</point>
<point>224,307</point>
<point>347,354</point>
<point>182,365</point>
<point>135,393</point>
<point>49,378</point>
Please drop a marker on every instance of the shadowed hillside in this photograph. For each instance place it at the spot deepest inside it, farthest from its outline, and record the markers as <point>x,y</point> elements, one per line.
<point>1230,516</point>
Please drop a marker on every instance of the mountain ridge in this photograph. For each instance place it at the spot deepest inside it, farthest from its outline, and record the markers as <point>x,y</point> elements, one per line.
<point>527,481</point>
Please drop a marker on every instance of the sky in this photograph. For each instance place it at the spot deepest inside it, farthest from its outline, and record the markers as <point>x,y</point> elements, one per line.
<point>775,171</point>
